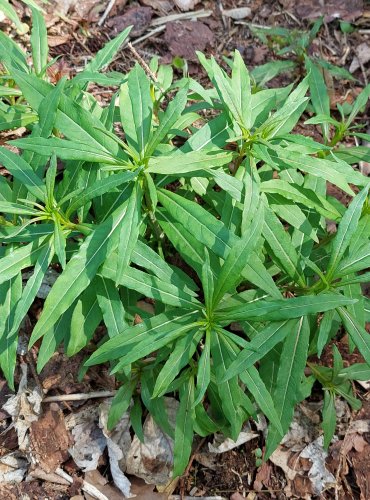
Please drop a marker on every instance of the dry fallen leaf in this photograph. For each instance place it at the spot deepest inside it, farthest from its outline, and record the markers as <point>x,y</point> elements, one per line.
<point>238,13</point>
<point>221,445</point>
<point>186,4</point>
<point>152,460</point>
<point>89,440</point>
<point>118,442</point>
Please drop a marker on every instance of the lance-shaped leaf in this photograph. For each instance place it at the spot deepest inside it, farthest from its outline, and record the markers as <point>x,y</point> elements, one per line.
<point>20,258</point>
<point>79,272</point>
<point>151,328</point>
<point>66,150</point>
<point>262,343</point>
<point>73,120</point>
<point>167,120</point>
<point>358,334</point>
<point>282,248</point>
<point>278,310</point>
<point>10,293</point>
<point>230,274</point>
<point>184,428</point>
<point>129,232</point>
<point>39,41</point>
<point>149,285</point>
<point>32,287</point>
<point>204,370</point>
<point>187,162</point>
<point>22,171</point>
<point>347,227</point>
<point>179,357</point>
<point>111,306</point>
<point>291,370</point>
<point>252,379</point>
<point>136,108</point>
<point>98,188</point>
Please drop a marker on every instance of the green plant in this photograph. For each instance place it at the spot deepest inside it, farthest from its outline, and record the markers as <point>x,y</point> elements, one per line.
<point>296,43</point>
<point>239,201</point>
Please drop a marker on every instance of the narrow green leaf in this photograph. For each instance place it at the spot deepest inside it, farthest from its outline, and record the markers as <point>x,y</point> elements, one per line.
<point>347,227</point>
<point>162,324</point>
<point>98,188</point>
<point>279,241</point>
<point>329,417</point>
<point>184,428</point>
<point>358,334</point>
<point>167,120</point>
<point>111,306</point>
<point>86,317</point>
<point>277,310</point>
<point>251,378</point>
<point>79,271</point>
<point>22,171</point>
<point>66,150</point>
<point>187,162</point>
<point>129,232</point>
<point>120,404</point>
<point>230,274</point>
<point>261,344</point>
<point>181,353</point>
<point>39,41</point>
<point>136,109</point>
<point>292,364</point>
<point>204,370</point>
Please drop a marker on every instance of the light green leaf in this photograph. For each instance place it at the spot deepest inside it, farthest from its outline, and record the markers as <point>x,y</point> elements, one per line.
<point>79,271</point>
<point>292,364</point>
<point>261,344</point>
<point>129,232</point>
<point>149,330</point>
<point>347,227</point>
<point>39,42</point>
<point>187,162</point>
<point>22,171</point>
<point>184,428</point>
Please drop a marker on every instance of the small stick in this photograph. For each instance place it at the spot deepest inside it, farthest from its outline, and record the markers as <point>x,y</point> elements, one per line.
<point>79,396</point>
<point>106,12</point>
<point>142,63</point>
<point>176,17</point>
<point>158,29</point>
<point>31,363</point>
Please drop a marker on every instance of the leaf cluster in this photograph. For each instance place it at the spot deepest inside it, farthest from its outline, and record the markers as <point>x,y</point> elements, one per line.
<point>113,195</point>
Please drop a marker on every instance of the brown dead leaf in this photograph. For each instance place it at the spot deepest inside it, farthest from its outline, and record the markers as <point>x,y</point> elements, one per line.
<point>101,483</point>
<point>331,9</point>
<point>263,476</point>
<point>56,40</point>
<point>362,57</point>
<point>361,466</point>
<point>145,491</point>
<point>138,17</point>
<point>50,440</point>
<point>184,38</point>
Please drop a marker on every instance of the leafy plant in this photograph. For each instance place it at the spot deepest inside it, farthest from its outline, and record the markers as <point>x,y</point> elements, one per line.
<point>295,43</point>
<point>113,195</point>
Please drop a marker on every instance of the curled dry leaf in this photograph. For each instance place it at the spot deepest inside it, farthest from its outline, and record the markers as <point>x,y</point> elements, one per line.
<point>13,468</point>
<point>238,13</point>
<point>24,408</point>
<point>152,460</point>
<point>89,440</point>
<point>118,442</point>
<point>221,445</point>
